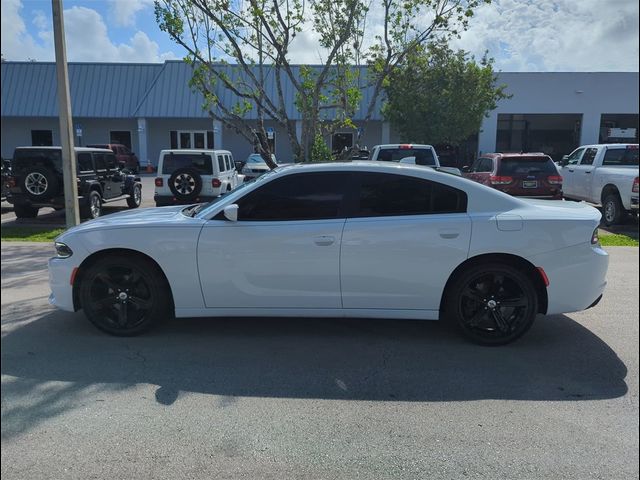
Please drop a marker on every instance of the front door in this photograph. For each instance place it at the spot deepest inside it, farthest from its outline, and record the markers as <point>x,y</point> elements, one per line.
<point>284,250</point>
<point>406,238</point>
<point>584,174</point>
<point>569,175</point>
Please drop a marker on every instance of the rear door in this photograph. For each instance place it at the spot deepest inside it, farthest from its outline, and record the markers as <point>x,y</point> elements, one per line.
<point>402,242</point>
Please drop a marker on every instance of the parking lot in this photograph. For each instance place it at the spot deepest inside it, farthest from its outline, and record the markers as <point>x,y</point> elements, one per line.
<point>314,398</point>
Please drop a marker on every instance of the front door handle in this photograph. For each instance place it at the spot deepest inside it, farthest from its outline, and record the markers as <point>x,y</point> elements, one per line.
<point>587,171</point>
<point>570,170</point>
<point>324,240</point>
<point>449,234</point>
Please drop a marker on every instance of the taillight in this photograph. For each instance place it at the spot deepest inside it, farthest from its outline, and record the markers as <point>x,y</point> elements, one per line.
<point>216,183</point>
<point>159,182</point>
<point>554,180</point>
<point>543,275</point>
<point>634,189</point>
<point>11,182</point>
<point>405,146</point>
<point>498,180</point>
<point>595,238</point>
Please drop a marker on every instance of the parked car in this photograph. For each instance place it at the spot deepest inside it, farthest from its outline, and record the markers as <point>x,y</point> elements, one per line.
<point>604,175</point>
<point>255,166</point>
<point>352,239</point>
<point>518,174</point>
<point>193,176</point>
<point>410,153</point>
<point>125,157</point>
<point>36,181</point>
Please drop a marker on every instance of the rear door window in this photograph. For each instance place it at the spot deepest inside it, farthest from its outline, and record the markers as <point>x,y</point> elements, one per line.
<point>197,161</point>
<point>383,195</point>
<point>621,157</point>
<point>589,156</point>
<point>484,165</point>
<point>527,166</point>
<point>84,162</point>
<point>100,161</point>
<point>221,165</point>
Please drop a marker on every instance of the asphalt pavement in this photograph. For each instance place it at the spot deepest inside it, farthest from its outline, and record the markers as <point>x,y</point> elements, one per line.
<point>315,398</point>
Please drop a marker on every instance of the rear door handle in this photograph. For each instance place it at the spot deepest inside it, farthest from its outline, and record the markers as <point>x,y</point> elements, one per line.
<point>587,171</point>
<point>324,240</point>
<point>571,170</point>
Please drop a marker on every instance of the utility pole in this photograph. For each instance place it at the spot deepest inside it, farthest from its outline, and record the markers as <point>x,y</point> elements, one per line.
<point>66,122</point>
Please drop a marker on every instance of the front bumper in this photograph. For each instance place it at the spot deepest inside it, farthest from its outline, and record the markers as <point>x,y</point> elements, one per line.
<point>60,272</point>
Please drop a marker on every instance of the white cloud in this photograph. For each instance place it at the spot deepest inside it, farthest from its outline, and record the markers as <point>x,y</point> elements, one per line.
<point>124,11</point>
<point>556,35</point>
<point>86,36</point>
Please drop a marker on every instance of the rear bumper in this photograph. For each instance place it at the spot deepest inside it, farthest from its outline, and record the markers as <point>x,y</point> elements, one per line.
<point>634,204</point>
<point>23,199</point>
<point>577,277</point>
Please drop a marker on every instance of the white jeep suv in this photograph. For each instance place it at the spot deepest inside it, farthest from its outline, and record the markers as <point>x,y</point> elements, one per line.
<point>194,176</point>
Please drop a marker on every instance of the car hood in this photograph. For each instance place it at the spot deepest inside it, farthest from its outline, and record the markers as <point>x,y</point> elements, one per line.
<point>137,217</point>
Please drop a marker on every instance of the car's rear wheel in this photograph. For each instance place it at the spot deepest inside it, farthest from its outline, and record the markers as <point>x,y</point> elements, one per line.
<point>612,210</point>
<point>25,211</point>
<point>492,304</point>
<point>93,206</point>
<point>124,295</point>
<point>135,197</point>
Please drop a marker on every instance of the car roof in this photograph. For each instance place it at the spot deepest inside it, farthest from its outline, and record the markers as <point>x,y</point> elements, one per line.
<point>192,151</point>
<point>77,149</point>
<point>623,145</point>
<point>406,145</point>
<point>515,155</point>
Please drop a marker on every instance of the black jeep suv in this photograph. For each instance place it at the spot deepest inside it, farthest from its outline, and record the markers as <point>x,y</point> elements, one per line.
<point>36,181</point>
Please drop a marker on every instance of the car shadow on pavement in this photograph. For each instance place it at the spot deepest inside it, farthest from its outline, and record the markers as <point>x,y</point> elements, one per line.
<point>348,359</point>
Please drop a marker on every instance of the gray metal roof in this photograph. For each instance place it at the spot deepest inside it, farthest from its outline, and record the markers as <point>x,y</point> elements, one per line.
<point>103,90</point>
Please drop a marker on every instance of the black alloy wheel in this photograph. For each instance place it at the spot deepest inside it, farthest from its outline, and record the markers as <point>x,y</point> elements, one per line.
<point>135,196</point>
<point>124,295</point>
<point>493,304</point>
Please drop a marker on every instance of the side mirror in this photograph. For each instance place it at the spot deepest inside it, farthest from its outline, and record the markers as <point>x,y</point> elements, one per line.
<point>564,161</point>
<point>231,212</point>
<point>466,169</point>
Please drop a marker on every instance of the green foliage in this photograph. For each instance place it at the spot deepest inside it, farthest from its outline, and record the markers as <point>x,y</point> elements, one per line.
<point>30,234</point>
<point>617,240</point>
<point>320,152</point>
<point>438,95</point>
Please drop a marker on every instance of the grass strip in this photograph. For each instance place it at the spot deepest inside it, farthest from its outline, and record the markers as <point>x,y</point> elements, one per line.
<point>617,240</point>
<point>30,234</point>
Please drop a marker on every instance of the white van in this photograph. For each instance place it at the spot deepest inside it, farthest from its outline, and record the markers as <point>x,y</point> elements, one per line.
<point>194,176</point>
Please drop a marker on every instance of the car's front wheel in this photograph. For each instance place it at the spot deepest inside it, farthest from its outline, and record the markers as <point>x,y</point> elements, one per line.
<point>492,304</point>
<point>124,295</point>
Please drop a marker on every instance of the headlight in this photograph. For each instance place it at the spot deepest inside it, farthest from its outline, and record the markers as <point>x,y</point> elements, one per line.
<point>595,238</point>
<point>63,250</point>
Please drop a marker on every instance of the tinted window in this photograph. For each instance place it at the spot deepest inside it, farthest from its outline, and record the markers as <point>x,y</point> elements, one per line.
<point>484,165</point>
<point>387,194</point>
<point>84,162</point>
<point>527,165</point>
<point>589,156</point>
<point>111,160</point>
<point>221,163</point>
<point>99,160</point>
<point>228,162</point>
<point>423,156</point>
<point>621,156</point>
<point>197,161</point>
<point>28,157</point>
<point>309,196</point>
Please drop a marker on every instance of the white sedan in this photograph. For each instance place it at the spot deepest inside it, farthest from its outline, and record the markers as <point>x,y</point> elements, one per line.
<point>360,239</point>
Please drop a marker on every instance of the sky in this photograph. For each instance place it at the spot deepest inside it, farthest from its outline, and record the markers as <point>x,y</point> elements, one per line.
<point>521,35</point>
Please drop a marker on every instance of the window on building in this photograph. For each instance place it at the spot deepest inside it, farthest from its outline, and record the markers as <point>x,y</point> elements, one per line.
<point>122,137</point>
<point>42,138</point>
<point>619,128</point>
<point>182,139</point>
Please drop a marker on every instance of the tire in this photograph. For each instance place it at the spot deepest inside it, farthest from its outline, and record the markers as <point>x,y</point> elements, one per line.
<point>135,196</point>
<point>612,210</point>
<point>25,211</point>
<point>185,184</point>
<point>124,295</point>
<point>476,304</point>
<point>93,206</point>
<point>40,183</point>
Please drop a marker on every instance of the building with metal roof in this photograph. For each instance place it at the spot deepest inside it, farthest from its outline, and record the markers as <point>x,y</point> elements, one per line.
<point>150,107</point>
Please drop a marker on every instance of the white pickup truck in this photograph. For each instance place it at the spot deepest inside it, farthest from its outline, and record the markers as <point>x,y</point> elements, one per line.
<point>410,153</point>
<point>605,175</point>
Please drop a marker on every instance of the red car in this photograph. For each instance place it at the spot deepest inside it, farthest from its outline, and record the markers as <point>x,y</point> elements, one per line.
<point>518,174</point>
<point>125,157</point>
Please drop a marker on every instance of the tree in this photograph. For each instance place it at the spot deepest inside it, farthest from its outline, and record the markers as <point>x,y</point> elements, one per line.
<point>440,96</point>
<point>241,50</point>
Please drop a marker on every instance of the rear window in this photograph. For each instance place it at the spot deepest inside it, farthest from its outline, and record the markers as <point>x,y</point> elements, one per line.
<point>197,161</point>
<point>423,156</point>
<point>526,165</point>
<point>621,156</point>
<point>30,157</point>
